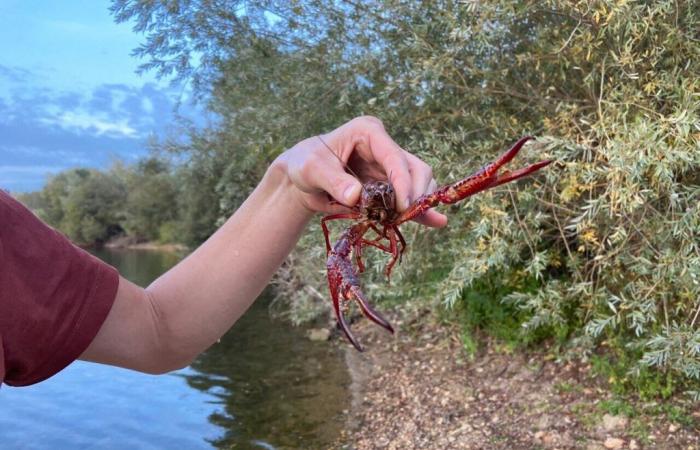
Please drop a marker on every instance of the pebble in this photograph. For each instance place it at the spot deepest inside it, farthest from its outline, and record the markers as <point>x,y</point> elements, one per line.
<point>458,410</point>
<point>319,334</point>
<point>593,446</point>
<point>543,422</point>
<point>611,423</point>
<point>548,438</point>
<point>613,443</point>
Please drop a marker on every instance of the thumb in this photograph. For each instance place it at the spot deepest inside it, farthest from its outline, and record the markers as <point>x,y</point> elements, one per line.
<point>343,187</point>
<point>351,191</point>
<point>330,176</point>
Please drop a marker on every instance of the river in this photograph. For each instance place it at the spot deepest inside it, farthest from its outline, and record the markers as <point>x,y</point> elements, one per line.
<point>264,385</point>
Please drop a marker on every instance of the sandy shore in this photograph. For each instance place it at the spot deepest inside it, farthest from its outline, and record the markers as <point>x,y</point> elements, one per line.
<point>418,390</point>
<point>125,242</point>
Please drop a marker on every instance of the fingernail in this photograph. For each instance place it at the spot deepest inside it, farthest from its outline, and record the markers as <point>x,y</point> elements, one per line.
<point>349,194</point>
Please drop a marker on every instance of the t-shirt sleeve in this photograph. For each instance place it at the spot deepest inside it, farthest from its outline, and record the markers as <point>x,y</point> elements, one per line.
<point>54,297</point>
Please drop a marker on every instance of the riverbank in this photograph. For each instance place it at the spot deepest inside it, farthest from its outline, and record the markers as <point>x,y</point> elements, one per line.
<point>127,242</point>
<point>419,390</point>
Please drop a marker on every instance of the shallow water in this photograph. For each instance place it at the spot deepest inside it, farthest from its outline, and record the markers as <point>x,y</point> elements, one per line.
<point>265,385</point>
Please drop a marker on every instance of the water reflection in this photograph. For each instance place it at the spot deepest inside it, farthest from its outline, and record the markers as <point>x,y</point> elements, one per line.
<point>273,387</point>
<point>139,266</point>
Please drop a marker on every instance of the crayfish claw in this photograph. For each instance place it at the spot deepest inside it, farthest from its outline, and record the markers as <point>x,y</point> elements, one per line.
<point>508,175</point>
<point>343,281</point>
<point>369,312</point>
<point>506,157</point>
<point>343,325</point>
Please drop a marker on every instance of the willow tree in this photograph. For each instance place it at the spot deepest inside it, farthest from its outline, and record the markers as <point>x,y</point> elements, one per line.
<point>603,246</point>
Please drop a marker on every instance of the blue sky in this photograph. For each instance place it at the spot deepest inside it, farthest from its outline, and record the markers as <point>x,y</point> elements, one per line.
<point>69,94</point>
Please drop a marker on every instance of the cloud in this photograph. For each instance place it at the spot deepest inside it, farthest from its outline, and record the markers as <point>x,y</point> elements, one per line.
<point>43,127</point>
<point>85,122</point>
<point>15,74</point>
<point>120,110</point>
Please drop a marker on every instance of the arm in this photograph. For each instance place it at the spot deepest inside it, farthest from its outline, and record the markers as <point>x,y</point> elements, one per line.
<point>166,325</point>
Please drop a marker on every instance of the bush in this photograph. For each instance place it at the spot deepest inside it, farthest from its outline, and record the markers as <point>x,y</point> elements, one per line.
<point>609,233</point>
<point>81,203</point>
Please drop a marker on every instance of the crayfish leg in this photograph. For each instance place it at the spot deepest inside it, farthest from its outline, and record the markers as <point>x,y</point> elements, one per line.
<point>358,256</point>
<point>401,240</point>
<point>393,246</point>
<point>376,244</point>
<point>324,227</point>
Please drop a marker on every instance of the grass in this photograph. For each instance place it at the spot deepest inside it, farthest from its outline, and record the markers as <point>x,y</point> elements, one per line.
<point>564,387</point>
<point>481,313</point>
<point>625,377</point>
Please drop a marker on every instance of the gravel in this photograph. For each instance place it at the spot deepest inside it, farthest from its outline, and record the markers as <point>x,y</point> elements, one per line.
<point>419,390</point>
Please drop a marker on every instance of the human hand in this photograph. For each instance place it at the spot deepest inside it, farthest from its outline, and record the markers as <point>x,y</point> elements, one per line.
<point>364,146</point>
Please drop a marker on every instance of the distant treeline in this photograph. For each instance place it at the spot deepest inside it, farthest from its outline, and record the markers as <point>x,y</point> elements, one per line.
<point>91,206</point>
<point>599,250</point>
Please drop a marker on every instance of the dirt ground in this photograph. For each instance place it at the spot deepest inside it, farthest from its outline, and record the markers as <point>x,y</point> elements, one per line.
<point>418,390</point>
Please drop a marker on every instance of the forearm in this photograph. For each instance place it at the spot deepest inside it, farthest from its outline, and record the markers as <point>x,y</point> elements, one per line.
<point>199,299</point>
<point>164,326</point>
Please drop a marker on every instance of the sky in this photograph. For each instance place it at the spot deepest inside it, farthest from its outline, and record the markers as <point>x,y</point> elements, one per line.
<point>69,92</point>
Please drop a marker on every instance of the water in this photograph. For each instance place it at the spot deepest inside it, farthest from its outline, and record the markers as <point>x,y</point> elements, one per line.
<point>264,386</point>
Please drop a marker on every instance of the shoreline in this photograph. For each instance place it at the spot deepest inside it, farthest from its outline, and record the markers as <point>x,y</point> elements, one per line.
<point>173,248</point>
<point>420,390</point>
<point>129,243</point>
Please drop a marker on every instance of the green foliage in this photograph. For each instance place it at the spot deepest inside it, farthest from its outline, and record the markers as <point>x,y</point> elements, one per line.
<point>625,376</point>
<point>479,314</point>
<point>168,233</point>
<point>92,206</point>
<point>200,203</point>
<point>80,202</point>
<point>617,407</point>
<point>150,201</point>
<point>609,232</point>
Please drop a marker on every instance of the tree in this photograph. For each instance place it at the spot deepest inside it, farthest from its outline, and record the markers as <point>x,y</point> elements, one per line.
<point>85,204</point>
<point>603,245</point>
<point>151,200</point>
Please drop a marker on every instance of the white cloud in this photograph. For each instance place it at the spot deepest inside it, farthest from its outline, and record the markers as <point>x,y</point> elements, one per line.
<point>147,105</point>
<point>93,124</point>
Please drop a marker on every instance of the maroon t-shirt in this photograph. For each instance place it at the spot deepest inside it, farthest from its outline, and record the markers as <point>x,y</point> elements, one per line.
<point>54,297</point>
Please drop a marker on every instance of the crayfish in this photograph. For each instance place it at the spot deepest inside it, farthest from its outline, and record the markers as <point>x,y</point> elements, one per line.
<point>376,211</point>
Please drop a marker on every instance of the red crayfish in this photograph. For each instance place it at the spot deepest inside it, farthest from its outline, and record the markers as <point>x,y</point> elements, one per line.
<point>376,211</point>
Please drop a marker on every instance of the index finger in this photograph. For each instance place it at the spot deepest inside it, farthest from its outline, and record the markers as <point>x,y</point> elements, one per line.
<point>391,157</point>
